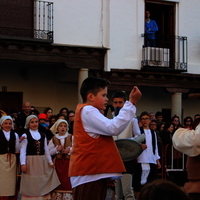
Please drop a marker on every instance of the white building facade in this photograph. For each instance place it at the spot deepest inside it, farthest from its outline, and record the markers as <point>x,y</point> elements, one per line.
<point>105,38</point>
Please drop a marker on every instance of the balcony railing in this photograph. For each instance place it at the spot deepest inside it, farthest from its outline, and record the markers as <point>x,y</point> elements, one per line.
<point>26,19</point>
<point>169,54</point>
<point>43,20</point>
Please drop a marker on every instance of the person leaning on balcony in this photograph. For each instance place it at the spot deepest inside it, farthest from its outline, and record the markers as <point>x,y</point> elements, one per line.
<point>150,28</point>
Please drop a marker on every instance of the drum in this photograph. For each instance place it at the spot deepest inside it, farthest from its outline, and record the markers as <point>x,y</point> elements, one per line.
<point>130,149</point>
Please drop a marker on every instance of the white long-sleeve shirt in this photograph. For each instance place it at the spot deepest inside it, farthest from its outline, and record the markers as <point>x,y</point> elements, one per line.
<point>36,136</point>
<point>147,155</point>
<point>96,124</point>
<point>130,131</point>
<point>187,141</point>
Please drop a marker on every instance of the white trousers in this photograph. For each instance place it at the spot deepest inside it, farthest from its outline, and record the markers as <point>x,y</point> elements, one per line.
<point>124,189</point>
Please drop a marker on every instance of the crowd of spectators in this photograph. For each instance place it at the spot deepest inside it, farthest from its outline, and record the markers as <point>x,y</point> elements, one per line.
<point>46,118</point>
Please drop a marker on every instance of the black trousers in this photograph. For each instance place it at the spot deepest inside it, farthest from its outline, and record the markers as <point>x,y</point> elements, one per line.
<point>153,174</point>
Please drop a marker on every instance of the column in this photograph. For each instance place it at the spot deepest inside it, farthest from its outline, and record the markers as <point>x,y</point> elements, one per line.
<point>83,74</point>
<point>176,105</point>
<point>176,100</point>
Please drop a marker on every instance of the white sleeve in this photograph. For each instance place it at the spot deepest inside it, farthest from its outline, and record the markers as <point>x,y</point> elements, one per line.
<point>47,153</point>
<point>23,151</point>
<point>96,123</point>
<point>17,144</point>
<point>136,128</point>
<point>187,141</point>
<point>156,153</point>
<point>52,148</point>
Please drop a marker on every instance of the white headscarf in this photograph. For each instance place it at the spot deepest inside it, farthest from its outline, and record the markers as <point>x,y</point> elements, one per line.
<point>28,120</point>
<point>3,118</point>
<point>54,128</point>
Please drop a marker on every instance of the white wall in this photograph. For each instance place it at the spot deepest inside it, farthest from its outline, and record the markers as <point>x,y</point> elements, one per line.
<point>114,24</point>
<point>126,27</point>
<point>118,25</point>
<point>78,22</point>
<point>188,25</point>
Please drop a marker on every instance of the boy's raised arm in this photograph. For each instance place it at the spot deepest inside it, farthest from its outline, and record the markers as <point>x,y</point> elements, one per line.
<point>135,95</point>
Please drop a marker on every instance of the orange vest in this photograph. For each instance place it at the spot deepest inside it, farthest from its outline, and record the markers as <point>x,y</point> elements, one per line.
<point>92,155</point>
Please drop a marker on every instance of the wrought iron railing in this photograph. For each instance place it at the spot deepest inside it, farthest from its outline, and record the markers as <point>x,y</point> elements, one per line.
<point>43,20</point>
<point>26,19</point>
<point>181,53</point>
<point>170,53</point>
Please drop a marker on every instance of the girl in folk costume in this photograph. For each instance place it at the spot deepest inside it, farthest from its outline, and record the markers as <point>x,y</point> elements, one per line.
<point>39,177</point>
<point>60,146</point>
<point>9,144</point>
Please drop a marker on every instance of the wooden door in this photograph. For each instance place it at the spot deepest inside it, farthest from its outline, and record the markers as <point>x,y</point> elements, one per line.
<point>11,100</point>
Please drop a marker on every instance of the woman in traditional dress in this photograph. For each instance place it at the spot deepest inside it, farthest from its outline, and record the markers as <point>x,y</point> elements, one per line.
<point>39,177</point>
<point>9,144</point>
<point>59,147</point>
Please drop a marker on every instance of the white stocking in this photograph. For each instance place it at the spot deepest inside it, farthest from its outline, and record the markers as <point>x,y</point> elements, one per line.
<point>145,172</point>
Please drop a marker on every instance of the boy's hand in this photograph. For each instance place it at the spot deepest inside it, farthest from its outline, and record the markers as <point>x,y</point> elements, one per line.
<point>22,138</point>
<point>158,164</point>
<point>144,146</point>
<point>23,168</point>
<point>135,95</point>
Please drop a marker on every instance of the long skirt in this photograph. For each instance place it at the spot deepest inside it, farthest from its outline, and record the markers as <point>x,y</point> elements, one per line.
<point>39,179</point>
<point>64,190</point>
<point>8,176</point>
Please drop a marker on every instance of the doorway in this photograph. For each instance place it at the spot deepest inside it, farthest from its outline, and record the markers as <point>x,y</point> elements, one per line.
<point>164,14</point>
<point>11,100</point>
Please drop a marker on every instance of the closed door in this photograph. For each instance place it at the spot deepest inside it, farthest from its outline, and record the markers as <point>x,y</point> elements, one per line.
<point>11,100</point>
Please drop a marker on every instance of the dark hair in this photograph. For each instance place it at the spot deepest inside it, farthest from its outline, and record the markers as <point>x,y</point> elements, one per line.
<point>160,125</point>
<point>35,112</point>
<point>186,118</point>
<point>52,117</point>
<point>47,109</point>
<point>64,108</point>
<point>175,116</point>
<point>154,120</point>
<point>144,113</point>
<point>158,114</point>
<point>196,123</point>
<point>71,111</point>
<point>162,190</point>
<point>119,94</point>
<point>60,115</point>
<point>92,85</point>
<point>167,125</point>
<point>196,116</point>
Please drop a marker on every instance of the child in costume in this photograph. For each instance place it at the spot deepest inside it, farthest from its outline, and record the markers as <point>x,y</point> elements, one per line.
<point>59,146</point>
<point>9,144</point>
<point>94,157</point>
<point>39,177</point>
